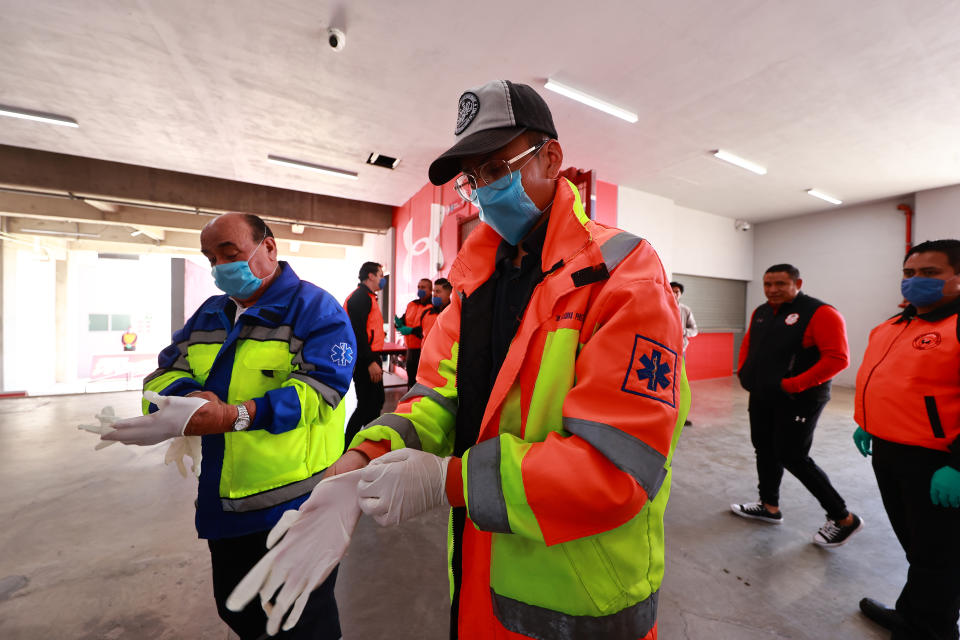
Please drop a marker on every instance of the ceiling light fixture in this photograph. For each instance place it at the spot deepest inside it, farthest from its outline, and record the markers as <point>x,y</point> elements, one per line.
<point>726,156</point>
<point>299,164</point>
<point>590,101</point>
<point>823,196</point>
<point>38,116</point>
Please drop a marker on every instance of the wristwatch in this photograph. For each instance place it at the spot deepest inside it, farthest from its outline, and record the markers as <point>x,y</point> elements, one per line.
<point>243,418</point>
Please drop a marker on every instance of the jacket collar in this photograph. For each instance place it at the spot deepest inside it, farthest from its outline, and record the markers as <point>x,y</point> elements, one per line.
<point>947,310</point>
<point>566,234</point>
<point>271,306</point>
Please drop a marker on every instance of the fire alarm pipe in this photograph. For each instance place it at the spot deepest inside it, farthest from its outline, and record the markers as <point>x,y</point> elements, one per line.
<point>908,212</point>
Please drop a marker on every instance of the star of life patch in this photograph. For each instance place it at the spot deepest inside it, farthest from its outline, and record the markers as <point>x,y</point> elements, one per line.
<point>652,370</point>
<point>341,354</point>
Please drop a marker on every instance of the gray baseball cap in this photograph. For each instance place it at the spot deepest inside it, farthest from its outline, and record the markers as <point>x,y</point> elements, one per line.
<point>488,118</point>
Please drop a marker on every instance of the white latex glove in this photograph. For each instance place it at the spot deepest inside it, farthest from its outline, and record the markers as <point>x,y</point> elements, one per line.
<point>314,539</point>
<point>107,417</point>
<point>189,446</point>
<point>402,484</point>
<point>168,422</point>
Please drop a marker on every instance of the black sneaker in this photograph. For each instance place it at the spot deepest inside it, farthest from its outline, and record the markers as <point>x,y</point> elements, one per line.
<point>756,511</point>
<point>832,534</point>
<point>882,615</point>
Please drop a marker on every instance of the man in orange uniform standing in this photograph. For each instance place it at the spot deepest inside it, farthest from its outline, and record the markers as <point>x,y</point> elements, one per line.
<point>795,344</point>
<point>411,328</point>
<point>548,403</point>
<point>908,409</point>
<point>442,289</point>
<point>363,307</point>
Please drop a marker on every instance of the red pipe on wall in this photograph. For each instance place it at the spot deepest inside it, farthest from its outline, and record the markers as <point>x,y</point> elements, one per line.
<point>908,212</point>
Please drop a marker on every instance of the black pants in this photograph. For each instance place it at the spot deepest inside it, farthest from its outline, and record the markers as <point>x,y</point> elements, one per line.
<point>412,364</point>
<point>232,558</point>
<point>930,536</point>
<point>370,399</point>
<point>781,428</point>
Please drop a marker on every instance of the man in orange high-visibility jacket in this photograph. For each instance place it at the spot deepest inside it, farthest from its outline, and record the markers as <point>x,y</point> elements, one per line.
<point>363,307</point>
<point>908,409</point>
<point>549,400</point>
<point>442,290</point>
<point>410,326</point>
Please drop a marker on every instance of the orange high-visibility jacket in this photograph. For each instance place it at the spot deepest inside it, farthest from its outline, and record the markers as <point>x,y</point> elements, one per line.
<point>370,336</point>
<point>908,387</point>
<point>565,466</point>
<point>413,318</point>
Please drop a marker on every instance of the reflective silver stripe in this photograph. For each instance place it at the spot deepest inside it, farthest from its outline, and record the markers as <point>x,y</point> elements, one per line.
<point>402,426</point>
<point>485,501</point>
<point>631,623</point>
<point>630,454</point>
<point>617,248</point>
<point>450,404</point>
<point>272,497</point>
<point>330,396</point>
<point>296,348</point>
<point>283,333</point>
<point>214,336</point>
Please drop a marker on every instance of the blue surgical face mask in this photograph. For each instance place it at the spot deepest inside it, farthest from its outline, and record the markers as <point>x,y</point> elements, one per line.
<point>383,283</point>
<point>922,292</point>
<point>235,278</point>
<point>437,301</point>
<point>421,294</point>
<point>508,209</point>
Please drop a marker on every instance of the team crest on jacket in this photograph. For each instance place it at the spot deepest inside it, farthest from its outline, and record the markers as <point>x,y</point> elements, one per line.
<point>927,341</point>
<point>791,319</point>
<point>652,371</point>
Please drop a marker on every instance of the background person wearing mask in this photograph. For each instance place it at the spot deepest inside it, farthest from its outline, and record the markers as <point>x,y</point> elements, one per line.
<point>363,307</point>
<point>548,401</point>
<point>795,344</point>
<point>266,367</point>
<point>908,409</point>
<point>410,327</point>
<point>440,301</point>
<point>687,321</point>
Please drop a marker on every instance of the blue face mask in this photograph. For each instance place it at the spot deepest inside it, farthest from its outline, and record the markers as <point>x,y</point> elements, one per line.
<point>383,283</point>
<point>235,278</point>
<point>922,292</point>
<point>509,210</point>
<point>421,294</point>
<point>437,301</point>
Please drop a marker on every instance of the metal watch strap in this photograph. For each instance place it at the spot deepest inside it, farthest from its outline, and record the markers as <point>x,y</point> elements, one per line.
<point>243,418</point>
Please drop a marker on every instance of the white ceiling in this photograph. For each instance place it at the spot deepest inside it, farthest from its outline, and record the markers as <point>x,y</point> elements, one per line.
<point>858,98</point>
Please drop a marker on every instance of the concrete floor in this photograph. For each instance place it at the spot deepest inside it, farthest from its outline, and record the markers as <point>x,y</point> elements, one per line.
<point>102,545</point>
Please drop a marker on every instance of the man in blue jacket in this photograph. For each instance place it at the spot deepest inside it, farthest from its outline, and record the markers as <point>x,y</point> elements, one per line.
<point>272,358</point>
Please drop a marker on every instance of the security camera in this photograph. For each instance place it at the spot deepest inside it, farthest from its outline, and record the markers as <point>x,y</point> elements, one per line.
<point>741,225</point>
<point>336,39</point>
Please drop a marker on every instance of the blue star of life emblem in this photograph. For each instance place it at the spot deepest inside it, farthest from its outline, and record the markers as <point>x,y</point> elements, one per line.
<point>341,354</point>
<point>653,371</point>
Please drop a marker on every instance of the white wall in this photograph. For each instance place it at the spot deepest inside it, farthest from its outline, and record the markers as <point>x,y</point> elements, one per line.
<point>938,214</point>
<point>689,241</point>
<point>849,257</point>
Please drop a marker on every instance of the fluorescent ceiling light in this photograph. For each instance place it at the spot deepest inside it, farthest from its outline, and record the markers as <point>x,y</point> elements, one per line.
<point>37,116</point>
<point>299,164</point>
<point>590,101</point>
<point>297,228</point>
<point>823,196</point>
<point>726,156</point>
<point>69,234</point>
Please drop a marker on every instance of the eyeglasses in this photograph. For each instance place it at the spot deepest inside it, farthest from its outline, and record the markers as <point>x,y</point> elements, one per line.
<point>491,171</point>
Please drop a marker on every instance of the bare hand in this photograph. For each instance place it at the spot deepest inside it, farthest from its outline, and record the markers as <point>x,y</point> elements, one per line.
<point>349,461</point>
<point>214,417</point>
<point>376,372</point>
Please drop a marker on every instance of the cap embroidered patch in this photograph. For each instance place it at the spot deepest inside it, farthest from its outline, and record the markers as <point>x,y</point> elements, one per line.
<point>469,107</point>
<point>652,371</point>
<point>341,354</point>
<point>792,319</point>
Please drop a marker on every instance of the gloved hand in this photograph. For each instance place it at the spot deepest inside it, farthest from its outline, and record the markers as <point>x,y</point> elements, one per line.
<point>945,487</point>
<point>184,446</point>
<point>399,322</point>
<point>402,484</point>
<point>864,442</point>
<point>168,422</point>
<point>405,331</point>
<point>314,538</point>
<point>107,418</point>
